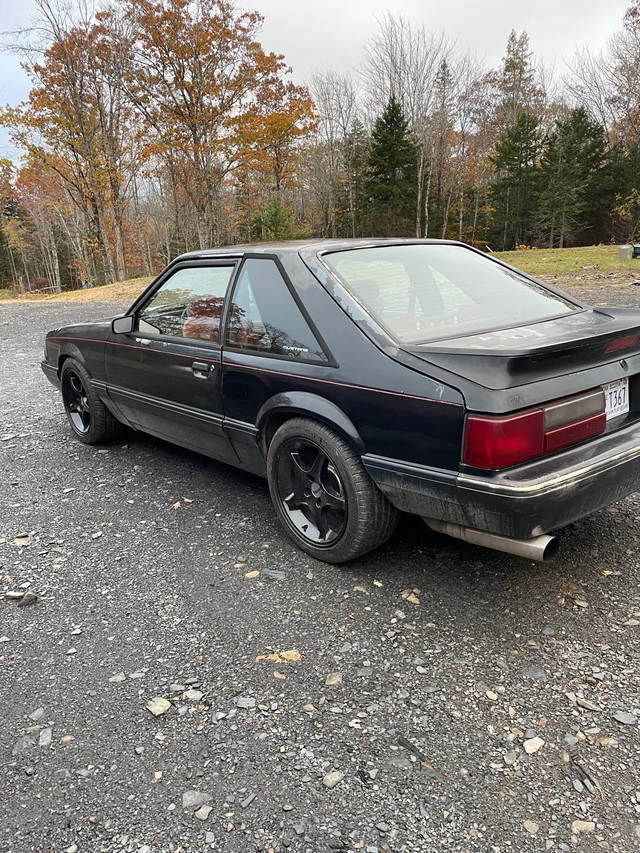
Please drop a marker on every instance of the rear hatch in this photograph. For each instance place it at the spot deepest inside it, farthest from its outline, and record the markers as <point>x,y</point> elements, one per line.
<point>535,363</point>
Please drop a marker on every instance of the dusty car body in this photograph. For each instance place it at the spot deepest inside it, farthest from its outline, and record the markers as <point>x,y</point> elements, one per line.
<point>367,377</point>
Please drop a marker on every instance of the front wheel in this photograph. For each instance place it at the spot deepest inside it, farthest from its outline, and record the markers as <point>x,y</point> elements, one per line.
<point>88,416</point>
<point>323,496</point>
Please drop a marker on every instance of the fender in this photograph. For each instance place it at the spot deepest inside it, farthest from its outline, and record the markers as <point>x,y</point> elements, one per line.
<point>70,350</point>
<point>308,405</point>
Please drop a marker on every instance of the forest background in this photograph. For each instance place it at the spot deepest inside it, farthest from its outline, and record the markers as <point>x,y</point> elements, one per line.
<point>154,127</point>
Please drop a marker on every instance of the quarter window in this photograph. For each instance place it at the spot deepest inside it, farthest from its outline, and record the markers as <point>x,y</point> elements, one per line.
<point>264,315</point>
<point>188,305</point>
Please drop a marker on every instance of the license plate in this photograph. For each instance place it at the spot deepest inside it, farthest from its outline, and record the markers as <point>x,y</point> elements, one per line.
<point>616,398</point>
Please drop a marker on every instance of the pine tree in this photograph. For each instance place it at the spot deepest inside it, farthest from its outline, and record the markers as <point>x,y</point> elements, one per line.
<point>513,193</point>
<point>570,172</point>
<point>390,185</point>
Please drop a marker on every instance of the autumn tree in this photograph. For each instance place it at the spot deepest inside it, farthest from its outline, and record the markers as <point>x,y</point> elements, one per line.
<point>204,87</point>
<point>75,124</point>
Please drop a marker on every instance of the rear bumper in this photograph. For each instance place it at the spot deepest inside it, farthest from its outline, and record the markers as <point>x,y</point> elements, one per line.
<point>520,502</point>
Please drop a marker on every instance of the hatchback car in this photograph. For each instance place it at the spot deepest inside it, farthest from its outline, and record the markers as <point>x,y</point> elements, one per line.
<point>367,377</point>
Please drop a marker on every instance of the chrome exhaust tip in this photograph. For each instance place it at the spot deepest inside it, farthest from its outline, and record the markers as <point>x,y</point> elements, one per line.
<point>540,548</point>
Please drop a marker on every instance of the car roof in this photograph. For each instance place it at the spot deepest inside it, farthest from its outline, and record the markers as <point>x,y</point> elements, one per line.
<point>317,246</point>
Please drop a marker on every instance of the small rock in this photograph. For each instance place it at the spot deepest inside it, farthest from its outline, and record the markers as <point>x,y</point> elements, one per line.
<point>245,702</point>
<point>383,827</point>
<point>117,678</point>
<point>37,715</point>
<point>510,758</point>
<point>531,826</point>
<point>14,595</point>
<point>533,745</point>
<point>209,838</point>
<point>23,744</point>
<point>585,703</point>
<point>333,679</point>
<point>625,718</point>
<point>491,695</point>
<point>287,807</point>
<point>45,737</point>
<point>534,672</point>
<point>193,695</point>
<point>247,801</point>
<point>27,599</point>
<point>579,826</point>
<point>194,799</point>
<point>203,812</point>
<point>274,574</point>
<point>330,780</point>
<point>158,706</point>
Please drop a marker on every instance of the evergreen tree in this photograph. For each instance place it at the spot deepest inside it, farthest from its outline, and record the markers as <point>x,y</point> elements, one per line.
<point>513,193</point>
<point>390,184</point>
<point>515,82</point>
<point>569,177</point>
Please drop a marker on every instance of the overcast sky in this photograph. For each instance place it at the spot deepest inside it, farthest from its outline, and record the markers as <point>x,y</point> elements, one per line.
<point>318,34</point>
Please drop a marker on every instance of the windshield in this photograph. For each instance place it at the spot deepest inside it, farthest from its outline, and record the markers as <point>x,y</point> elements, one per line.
<point>425,292</point>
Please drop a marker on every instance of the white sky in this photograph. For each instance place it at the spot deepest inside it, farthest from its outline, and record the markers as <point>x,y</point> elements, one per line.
<point>318,34</point>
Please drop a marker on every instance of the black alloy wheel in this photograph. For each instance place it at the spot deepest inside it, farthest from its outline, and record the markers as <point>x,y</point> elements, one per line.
<point>324,498</point>
<point>89,418</point>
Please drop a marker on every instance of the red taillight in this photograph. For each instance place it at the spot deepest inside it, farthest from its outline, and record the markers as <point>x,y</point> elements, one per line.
<point>622,343</point>
<point>499,442</point>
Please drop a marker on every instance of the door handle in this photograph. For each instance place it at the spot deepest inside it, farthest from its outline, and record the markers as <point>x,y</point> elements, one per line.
<point>201,369</point>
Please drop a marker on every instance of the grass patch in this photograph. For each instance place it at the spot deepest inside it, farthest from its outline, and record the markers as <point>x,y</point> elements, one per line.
<point>125,291</point>
<point>551,262</point>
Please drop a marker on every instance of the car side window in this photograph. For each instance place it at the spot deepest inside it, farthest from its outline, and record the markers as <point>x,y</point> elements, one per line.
<point>188,305</point>
<point>265,317</point>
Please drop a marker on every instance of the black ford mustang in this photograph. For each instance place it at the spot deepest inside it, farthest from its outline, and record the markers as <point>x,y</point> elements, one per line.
<point>364,377</point>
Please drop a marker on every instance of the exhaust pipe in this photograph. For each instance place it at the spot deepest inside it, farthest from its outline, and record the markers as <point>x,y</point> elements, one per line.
<point>540,548</point>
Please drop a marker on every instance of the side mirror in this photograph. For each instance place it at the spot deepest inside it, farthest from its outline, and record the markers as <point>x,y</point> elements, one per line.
<point>122,324</point>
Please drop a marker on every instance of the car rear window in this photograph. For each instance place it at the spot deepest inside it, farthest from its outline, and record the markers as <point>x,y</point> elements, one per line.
<point>425,292</point>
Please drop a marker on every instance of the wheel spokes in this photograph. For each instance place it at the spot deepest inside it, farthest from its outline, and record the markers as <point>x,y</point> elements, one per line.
<point>77,404</point>
<point>312,493</point>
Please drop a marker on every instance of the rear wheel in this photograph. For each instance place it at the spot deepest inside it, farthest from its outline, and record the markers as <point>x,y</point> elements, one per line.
<point>322,494</point>
<point>88,416</point>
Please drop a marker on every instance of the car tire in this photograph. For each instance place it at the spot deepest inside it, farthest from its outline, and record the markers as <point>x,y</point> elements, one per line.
<point>90,420</point>
<point>324,498</point>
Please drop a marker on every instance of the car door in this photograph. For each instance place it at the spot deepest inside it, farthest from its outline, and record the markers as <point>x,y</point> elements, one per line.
<point>271,347</point>
<point>165,374</point>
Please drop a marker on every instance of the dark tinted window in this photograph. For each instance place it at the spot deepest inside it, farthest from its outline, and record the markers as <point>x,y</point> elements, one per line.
<point>188,305</point>
<point>423,292</point>
<point>264,315</point>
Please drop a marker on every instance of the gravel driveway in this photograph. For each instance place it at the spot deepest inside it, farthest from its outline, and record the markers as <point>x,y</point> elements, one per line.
<point>432,696</point>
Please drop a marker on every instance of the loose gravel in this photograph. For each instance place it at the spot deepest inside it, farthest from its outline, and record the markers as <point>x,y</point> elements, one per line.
<point>180,678</point>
